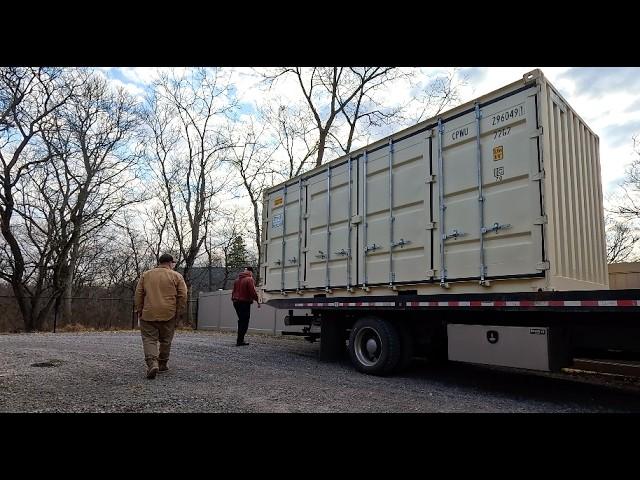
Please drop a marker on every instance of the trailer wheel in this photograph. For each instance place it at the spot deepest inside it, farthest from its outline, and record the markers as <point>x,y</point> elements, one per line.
<point>406,342</point>
<point>374,346</point>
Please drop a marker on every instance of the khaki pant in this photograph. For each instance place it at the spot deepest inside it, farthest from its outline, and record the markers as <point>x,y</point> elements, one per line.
<point>152,333</point>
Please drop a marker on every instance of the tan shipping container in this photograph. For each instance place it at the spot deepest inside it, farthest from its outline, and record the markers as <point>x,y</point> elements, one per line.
<point>500,194</point>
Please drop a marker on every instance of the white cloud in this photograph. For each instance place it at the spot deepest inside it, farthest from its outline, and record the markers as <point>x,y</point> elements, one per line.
<point>143,75</point>
<point>129,87</point>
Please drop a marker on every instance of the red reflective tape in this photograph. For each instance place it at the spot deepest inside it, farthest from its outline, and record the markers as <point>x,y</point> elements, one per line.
<point>556,303</point>
<point>589,303</point>
<point>475,303</point>
<point>526,303</point>
<point>499,303</point>
<point>454,304</point>
<point>626,303</point>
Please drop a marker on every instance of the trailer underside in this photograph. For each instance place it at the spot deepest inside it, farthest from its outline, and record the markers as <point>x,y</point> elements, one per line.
<point>541,331</point>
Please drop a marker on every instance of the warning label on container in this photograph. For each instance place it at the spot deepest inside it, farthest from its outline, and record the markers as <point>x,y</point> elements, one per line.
<point>498,153</point>
<point>278,201</point>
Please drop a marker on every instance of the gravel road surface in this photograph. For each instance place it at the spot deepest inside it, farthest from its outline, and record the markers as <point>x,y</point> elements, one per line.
<point>104,372</point>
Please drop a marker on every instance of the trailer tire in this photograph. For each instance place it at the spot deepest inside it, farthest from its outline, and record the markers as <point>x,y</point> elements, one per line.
<point>375,346</point>
<point>406,347</point>
<point>332,339</point>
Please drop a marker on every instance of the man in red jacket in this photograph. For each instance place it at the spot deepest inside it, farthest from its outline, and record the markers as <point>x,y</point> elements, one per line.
<point>242,296</point>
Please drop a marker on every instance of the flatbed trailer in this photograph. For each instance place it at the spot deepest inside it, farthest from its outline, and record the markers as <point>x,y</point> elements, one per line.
<point>537,331</point>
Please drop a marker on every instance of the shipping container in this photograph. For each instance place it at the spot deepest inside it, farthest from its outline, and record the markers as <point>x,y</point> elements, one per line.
<point>500,194</point>
<point>477,236</point>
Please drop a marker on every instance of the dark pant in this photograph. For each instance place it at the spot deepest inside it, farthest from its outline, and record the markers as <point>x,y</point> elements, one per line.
<point>243,309</point>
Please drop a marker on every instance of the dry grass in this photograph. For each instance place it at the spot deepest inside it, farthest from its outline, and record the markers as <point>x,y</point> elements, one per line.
<point>77,327</point>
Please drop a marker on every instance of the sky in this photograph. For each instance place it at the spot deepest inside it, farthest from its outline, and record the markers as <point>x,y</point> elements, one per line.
<point>607,99</point>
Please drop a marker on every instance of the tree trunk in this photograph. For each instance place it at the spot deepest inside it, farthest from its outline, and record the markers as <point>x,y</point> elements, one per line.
<point>40,315</point>
<point>322,140</point>
<point>25,307</point>
<point>226,277</point>
<point>67,316</point>
<point>256,221</point>
<point>189,312</point>
<point>18,260</point>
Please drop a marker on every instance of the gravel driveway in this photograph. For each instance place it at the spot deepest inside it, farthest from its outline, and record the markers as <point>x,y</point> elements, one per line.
<point>104,372</point>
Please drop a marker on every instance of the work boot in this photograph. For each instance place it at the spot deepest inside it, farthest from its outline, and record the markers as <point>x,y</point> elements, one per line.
<point>241,344</point>
<point>162,366</point>
<point>152,368</point>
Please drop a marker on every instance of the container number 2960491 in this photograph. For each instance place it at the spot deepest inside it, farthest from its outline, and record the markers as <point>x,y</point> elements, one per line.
<point>509,114</point>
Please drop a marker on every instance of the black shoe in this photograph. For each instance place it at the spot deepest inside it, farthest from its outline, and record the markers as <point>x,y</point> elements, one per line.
<point>241,344</point>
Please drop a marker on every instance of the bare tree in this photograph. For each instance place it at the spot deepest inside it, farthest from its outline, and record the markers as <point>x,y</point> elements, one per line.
<point>629,205</point>
<point>91,138</point>
<point>295,134</point>
<point>622,218</point>
<point>622,239</point>
<point>346,103</point>
<point>365,109</point>
<point>252,157</point>
<point>213,258</point>
<point>28,98</point>
<point>136,249</point>
<point>329,90</point>
<point>442,89</point>
<point>184,115</point>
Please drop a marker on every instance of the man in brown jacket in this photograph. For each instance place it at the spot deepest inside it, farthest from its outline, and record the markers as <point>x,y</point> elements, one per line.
<point>160,295</point>
<point>242,296</point>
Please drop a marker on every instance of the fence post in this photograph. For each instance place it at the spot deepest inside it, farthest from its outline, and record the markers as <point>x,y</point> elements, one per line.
<point>275,319</point>
<point>220,309</point>
<point>133,314</point>
<point>55,313</point>
<point>197,308</point>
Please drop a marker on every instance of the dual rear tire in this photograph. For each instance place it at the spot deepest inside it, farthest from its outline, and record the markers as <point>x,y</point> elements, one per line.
<point>379,347</point>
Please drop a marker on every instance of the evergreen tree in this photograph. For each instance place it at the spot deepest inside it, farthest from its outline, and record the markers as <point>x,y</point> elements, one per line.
<point>237,256</point>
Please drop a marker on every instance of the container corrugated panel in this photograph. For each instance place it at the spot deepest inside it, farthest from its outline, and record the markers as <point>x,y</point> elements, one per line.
<point>573,196</point>
<point>501,194</point>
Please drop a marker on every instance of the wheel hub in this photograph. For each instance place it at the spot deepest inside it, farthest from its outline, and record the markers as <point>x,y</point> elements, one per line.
<point>368,346</point>
<point>372,346</point>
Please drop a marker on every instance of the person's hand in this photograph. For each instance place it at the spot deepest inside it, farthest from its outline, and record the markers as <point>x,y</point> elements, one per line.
<point>258,304</point>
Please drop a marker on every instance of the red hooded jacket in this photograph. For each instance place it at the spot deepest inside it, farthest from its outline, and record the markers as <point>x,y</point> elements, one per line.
<point>244,288</point>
